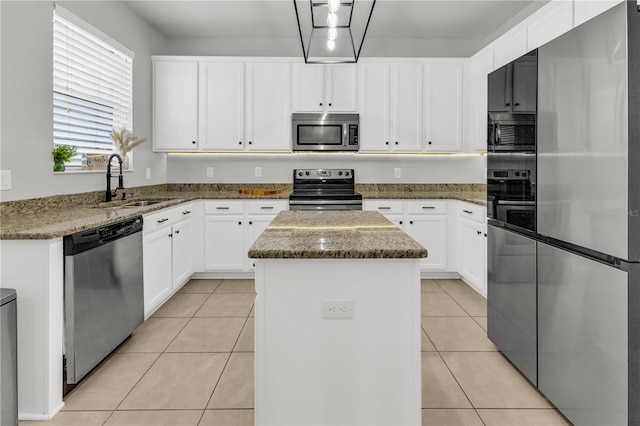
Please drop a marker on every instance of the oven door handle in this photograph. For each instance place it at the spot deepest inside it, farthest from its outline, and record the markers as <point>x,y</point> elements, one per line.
<point>322,202</point>
<point>515,203</point>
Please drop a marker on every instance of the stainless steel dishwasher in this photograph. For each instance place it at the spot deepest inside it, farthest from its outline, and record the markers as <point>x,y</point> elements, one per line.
<point>103,293</point>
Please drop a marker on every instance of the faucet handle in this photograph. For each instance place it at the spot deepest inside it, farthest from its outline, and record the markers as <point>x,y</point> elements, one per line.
<point>124,195</point>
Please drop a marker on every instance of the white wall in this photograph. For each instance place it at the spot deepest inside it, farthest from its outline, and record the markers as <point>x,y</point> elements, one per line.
<point>369,168</point>
<point>26,80</point>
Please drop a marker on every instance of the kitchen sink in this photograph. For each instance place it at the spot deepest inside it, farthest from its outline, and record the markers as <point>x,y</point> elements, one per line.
<point>143,203</point>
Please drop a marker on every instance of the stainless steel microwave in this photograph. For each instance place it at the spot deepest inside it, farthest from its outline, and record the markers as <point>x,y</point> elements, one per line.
<point>325,132</point>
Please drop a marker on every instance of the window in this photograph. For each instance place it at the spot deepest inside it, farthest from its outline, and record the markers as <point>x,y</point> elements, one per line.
<point>92,87</point>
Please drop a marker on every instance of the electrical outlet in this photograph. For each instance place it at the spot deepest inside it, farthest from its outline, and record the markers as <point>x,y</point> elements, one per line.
<point>5,180</point>
<point>397,172</point>
<point>210,172</point>
<point>148,172</point>
<point>258,171</point>
<point>338,308</point>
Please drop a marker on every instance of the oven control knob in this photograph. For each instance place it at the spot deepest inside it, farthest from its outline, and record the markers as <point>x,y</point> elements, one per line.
<point>306,173</point>
<point>340,173</point>
<point>299,173</point>
<point>346,173</point>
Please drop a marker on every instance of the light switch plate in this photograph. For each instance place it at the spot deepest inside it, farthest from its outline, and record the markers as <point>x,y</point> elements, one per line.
<point>210,172</point>
<point>5,180</point>
<point>148,172</point>
<point>258,171</point>
<point>397,173</point>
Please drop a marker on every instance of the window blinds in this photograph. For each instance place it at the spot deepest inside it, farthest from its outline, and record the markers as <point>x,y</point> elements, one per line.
<point>92,86</point>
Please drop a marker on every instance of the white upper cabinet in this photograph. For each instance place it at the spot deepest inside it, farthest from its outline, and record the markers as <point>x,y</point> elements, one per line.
<point>175,105</point>
<point>587,9</point>
<point>222,106</point>
<point>554,20</point>
<point>442,121</point>
<point>476,101</point>
<point>375,103</point>
<point>510,47</point>
<point>268,115</point>
<point>390,107</point>
<point>324,88</point>
<point>406,104</point>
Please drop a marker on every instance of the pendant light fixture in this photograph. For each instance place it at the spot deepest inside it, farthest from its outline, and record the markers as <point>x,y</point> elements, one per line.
<point>332,31</point>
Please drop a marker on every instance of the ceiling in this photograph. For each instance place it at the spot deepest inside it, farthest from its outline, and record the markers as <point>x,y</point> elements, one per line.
<point>398,28</point>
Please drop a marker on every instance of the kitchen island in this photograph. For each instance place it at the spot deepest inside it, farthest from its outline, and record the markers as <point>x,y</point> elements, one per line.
<point>337,320</point>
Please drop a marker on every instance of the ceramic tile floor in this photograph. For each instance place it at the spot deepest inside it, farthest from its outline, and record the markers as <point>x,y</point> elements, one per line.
<point>191,363</point>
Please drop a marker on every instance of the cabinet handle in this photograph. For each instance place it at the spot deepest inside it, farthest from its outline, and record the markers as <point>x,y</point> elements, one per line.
<point>250,223</point>
<point>507,104</point>
<point>386,143</point>
<point>429,142</point>
<point>479,232</point>
<point>186,212</point>
<point>177,231</point>
<point>239,223</point>
<point>428,207</point>
<point>250,142</point>
<point>266,208</point>
<point>517,104</point>
<point>193,142</point>
<point>164,219</point>
<point>239,142</point>
<point>320,104</point>
<point>329,103</point>
<point>384,208</point>
<point>485,234</point>
<point>400,222</point>
<point>468,211</point>
<point>396,142</point>
<point>410,222</point>
<point>170,235</point>
<point>222,208</point>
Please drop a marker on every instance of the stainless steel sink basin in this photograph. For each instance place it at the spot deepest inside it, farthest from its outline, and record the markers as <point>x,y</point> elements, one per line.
<point>143,203</point>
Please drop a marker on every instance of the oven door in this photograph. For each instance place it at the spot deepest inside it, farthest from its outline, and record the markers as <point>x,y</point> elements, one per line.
<point>517,213</point>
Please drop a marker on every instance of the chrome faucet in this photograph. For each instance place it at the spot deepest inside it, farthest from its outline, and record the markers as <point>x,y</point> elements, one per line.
<point>109,195</point>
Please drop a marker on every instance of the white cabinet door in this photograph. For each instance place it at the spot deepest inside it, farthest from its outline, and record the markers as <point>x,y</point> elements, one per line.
<point>181,251</point>
<point>308,87</point>
<point>374,102</point>
<point>587,9</point>
<point>268,106</point>
<point>157,268</point>
<point>406,108</point>
<point>340,88</point>
<point>510,47</point>
<point>476,132</point>
<point>525,85</point>
<point>222,91</point>
<point>175,105</point>
<point>472,248</point>
<point>224,243</point>
<point>431,233</point>
<point>443,107</point>
<point>554,20</point>
<point>255,226</point>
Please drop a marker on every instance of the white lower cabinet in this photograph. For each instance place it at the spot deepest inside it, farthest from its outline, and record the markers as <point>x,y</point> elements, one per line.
<point>231,227</point>
<point>472,242</point>
<point>424,220</point>
<point>167,254</point>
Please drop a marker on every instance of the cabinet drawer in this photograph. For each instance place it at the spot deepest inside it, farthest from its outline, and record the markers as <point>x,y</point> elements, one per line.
<point>385,207</point>
<point>167,217</point>
<point>426,207</point>
<point>472,211</point>
<point>266,207</point>
<point>223,207</point>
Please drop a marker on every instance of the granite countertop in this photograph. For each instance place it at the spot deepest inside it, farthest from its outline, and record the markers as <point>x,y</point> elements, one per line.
<point>334,235</point>
<point>57,216</point>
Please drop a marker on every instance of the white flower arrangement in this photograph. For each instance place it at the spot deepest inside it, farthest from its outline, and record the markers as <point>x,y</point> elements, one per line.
<point>125,141</point>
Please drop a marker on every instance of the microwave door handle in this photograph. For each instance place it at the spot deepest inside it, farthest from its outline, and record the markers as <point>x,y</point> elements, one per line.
<point>345,134</point>
<point>497,132</point>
